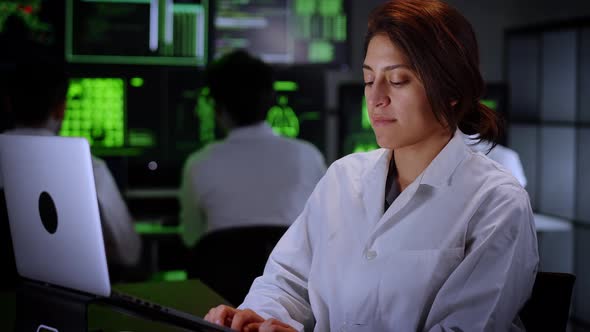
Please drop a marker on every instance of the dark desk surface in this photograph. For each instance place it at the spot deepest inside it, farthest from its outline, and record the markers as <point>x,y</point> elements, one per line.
<point>191,296</point>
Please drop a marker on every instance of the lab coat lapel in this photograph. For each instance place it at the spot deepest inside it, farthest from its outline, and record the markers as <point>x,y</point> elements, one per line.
<point>436,174</point>
<point>373,188</point>
<point>402,200</point>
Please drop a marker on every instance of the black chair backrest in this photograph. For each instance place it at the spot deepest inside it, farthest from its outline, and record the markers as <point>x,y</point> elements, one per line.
<point>549,305</point>
<point>229,260</point>
<point>8,274</point>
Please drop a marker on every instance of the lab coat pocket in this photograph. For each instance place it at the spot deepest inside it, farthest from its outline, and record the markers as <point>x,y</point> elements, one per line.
<point>411,281</point>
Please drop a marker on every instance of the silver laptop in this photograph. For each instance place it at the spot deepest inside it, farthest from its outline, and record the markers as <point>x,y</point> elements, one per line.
<point>53,212</point>
<point>55,221</point>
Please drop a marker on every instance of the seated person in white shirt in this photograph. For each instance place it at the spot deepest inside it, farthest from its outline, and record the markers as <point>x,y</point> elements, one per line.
<point>504,156</point>
<point>253,177</point>
<point>421,235</point>
<point>38,103</point>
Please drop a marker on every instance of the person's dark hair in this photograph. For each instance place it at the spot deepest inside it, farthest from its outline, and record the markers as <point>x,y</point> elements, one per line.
<point>442,50</point>
<point>35,92</point>
<point>242,85</point>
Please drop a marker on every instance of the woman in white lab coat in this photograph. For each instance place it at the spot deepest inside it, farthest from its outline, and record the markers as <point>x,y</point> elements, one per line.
<point>424,234</point>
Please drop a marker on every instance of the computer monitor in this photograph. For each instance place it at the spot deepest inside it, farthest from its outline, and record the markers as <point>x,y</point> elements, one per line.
<point>146,120</point>
<point>118,110</point>
<point>299,109</point>
<point>122,112</point>
<point>149,32</point>
<point>356,133</point>
<point>186,124</point>
<point>284,32</point>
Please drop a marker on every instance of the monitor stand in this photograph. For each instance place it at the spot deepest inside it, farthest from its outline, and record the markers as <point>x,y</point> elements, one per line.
<point>41,308</point>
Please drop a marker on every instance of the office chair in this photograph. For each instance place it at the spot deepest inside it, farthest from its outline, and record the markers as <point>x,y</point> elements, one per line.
<point>229,260</point>
<point>8,274</point>
<point>548,307</point>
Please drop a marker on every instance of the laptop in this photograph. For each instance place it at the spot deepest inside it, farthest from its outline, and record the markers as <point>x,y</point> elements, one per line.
<point>55,222</point>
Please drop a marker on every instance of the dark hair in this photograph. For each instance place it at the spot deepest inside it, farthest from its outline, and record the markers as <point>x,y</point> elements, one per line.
<point>36,91</point>
<point>243,85</point>
<point>442,50</point>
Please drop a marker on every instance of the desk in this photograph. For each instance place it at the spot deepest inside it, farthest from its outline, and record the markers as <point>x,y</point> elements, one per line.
<point>191,296</point>
<point>556,243</point>
<point>546,223</point>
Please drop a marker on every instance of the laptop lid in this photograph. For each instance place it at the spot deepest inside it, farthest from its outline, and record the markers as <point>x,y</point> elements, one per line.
<point>53,212</point>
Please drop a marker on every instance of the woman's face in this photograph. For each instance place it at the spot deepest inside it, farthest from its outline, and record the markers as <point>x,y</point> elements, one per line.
<point>399,110</point>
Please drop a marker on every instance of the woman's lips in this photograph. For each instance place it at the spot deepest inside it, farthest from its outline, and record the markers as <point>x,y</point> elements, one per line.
<point>382,121</point>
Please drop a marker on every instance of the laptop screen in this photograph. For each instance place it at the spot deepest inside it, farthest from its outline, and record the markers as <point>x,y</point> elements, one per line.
<point>53,212</point>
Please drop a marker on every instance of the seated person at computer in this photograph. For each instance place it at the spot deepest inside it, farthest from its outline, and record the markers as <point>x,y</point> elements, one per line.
<point>38,103</point>
<point>253,177</point>
<point>423,234</point>
<point>504,156</point>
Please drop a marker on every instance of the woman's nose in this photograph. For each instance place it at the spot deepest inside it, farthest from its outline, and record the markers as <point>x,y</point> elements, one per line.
<point>377,95</point>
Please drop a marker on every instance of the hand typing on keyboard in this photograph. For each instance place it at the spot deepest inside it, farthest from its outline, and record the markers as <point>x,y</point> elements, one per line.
<point>245,320</point>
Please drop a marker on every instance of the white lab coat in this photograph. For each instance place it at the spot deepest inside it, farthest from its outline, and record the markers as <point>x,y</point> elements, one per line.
<point>253,177</point>
<point>456,251</point>
<point>122,243</point>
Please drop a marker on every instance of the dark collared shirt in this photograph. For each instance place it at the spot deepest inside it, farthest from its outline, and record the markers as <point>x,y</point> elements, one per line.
<point>392,189</point>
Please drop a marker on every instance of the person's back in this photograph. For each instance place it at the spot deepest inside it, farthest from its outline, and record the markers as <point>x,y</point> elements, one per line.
<point>253,177</point>
<point>37,99</point>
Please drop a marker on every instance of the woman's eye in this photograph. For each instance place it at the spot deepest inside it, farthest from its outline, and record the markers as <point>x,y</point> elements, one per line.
<point>368,83</point>
<point>398,83</point>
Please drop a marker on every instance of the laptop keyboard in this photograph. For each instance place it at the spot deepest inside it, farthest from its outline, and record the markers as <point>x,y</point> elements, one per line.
<point>158,312</point>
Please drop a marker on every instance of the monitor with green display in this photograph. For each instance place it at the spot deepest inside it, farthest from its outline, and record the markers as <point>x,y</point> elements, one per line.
<point>95,110</point>
<point>148,32</point>
<point>298,110</point>
<point>284,31</point>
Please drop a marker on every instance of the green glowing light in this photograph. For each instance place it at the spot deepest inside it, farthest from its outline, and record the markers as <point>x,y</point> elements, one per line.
<point>360,142</point>
<point>285,86</point>
<point>136,82</point>
<point>142,138</point>
<point>365,147</point>
<point>205,112</point>
<point>283,121</point>
<point>490,103</point>
<point>330,7</point>
<point>305,7</point>
<point>309,116</point>
<point>321,51</point>
<point>283,100</point>
<point>340,28</point>
<point>95,110</point>
<point>155,228</point>
<point>365,121</point>
<point>176,275</point>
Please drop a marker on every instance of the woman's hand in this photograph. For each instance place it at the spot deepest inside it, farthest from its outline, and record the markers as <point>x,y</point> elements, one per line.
<point>233,318</point>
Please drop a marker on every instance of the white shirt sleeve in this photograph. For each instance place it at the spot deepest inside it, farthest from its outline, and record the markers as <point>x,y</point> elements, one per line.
<point>489,287</point>
<point>192,218</point>
<point>282,291</point>
<point>123,243</point>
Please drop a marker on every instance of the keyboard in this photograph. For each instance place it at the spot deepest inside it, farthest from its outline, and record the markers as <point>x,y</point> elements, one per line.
<point>157,312</point>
